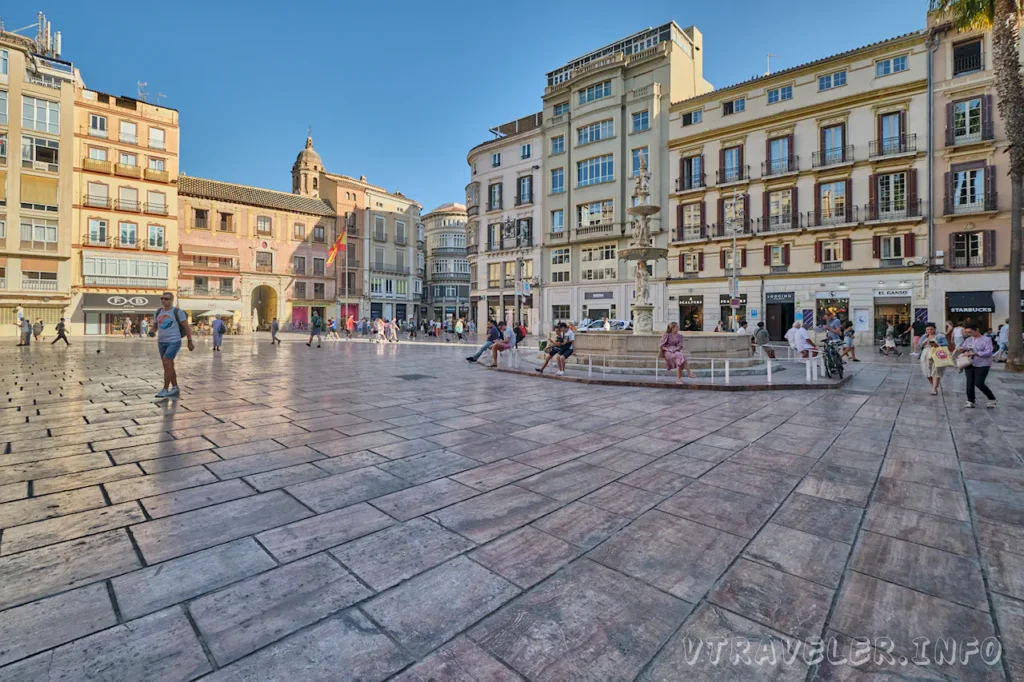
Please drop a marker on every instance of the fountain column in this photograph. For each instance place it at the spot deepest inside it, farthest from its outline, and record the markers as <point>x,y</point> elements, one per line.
<point>641,250</point>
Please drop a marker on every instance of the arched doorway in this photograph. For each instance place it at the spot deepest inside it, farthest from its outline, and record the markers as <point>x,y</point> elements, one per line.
<point>264,302</point>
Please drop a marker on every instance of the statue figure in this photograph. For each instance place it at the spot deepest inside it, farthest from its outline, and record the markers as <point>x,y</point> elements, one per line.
<point>641,281</point>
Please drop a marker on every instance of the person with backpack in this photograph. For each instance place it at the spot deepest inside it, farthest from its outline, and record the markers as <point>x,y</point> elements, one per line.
<point>171,325</point>
<point>314,330</point>
<point>219,329</point>
<point>520,332</point>
<point>62,331</point>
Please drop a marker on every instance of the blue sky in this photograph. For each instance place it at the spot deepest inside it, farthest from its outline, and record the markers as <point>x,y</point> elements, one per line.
<point>399,91</point>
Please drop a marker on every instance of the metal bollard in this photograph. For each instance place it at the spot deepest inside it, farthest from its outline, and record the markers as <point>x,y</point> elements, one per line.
<point>712,371</point>
<point>726,371</point>
<point>769,371</point>
<point>590,366</point>
<point>807,368</point>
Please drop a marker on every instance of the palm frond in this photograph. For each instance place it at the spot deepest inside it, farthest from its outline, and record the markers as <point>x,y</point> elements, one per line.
<point>968,14</point>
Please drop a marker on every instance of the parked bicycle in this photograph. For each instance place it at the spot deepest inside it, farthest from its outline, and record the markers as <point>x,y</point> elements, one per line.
<point>832,361</point>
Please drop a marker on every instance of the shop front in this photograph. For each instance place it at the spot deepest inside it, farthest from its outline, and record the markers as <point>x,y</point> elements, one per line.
<point>106,313</point>
<point>835,302</point>
<point>598,305</point>
<point>691,313</point>
<point>780,313</point>
<point>974,306</point>
<point>892,306</point>
<point>725,303</point>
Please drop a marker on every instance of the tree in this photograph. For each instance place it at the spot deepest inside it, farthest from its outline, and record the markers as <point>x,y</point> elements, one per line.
<point>1003,17</point>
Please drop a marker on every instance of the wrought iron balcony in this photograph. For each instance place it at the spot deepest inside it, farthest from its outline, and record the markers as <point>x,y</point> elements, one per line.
<point>789,164</point>
<point>890,262</point>
<point>984,131</point>
<point>155,246</point>
<point>691,233</point>
<point>94,239</point>
<point>784,222</point>
<point>389,268</point>
<point>156,209</point>
<point>738,227</point>
<point>685,184</point>
<point>726,175</point>
<point>131,205</point>
<point>967,261</point>
<point>892,210</point>
<point>832,267</point>
<point>400,240</point>
<point>129,243</point>
<point>830,217</point>
<point>95,201</point>
<point>967,64</point>
<point>957,205</point>
<point>380,236</point>
<point>832,157</point>
<point>893,146</point>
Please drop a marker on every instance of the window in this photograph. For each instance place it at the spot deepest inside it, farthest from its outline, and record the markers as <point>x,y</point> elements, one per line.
<point>105,270</point>
<point>495,159</point>
<point>40,154</point>
<point>156,202</point>
<point>832,202</point>
<point>97,125</point>
<point>128,234</point>
<point>595,213</point>
<point>969,249</point>
<point>97,153</point>
<point>596,92</point>
<point>892,195</point>
<point>264,261</point>
<point>379,229</point>
<point>3,62</point>
<point>596,253</point>
<point>400,260</point>
<point>968,190</point>
<point>97,231</point>
<point>524,151</point>
<point>156,237</point>
<point>300,290</point>
<point>41,115</point>
<point>318,267</point>
<point>638,154</point>
<point>884,67</point>
<point>493,235</point>
<point>732,213</point>
<point>126,159</point>
<point>734,107</point>
<point>596,170</point>
<point>128,198</point>
<point>494,197</point>
<point>691,262</point>
<point>227,223</point>
<point>378,256</point>
<point>41,235</point>
<point>264,225</point>
<point>777,256</point>
<point>558,181</point>
<point>156,164</point>
<point>319,234</point>
<point>524,190</point>
<point>156,138</point>
<point>641,121</point>
<point>595,132</point>
<point>558,144</point>
<point>834,145</point>
<point>693,173</point>
<point>199,219</point>
<point>376,285</point>
<point>298,231</point>
<point>402,288</point>
<point>129,132</point>
<point>314,183</point>
<point>510,273</point>
<point>560,276</point>
<point>3,148</point>
<point>494,274</point>
<point>558,221</point>
<point>967,121</point>
<point>560,313</point>
<point>967,57</point>
<point>227,285</point>
<point>731,171</point>
<point>780,210</point>
<point>778,155</point>
<point>561,109</point>
<point>692,226</point>
<point>780,94</point>
<point>691,117</point>
<point>832,80</point>
<point>560,256</point>
<point>417,286</point>
<point>892,246</point>
<point>832,251</point>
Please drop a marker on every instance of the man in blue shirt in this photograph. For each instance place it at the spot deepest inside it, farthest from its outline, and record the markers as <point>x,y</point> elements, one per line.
<point>493,336</point>
<point>833,326</point>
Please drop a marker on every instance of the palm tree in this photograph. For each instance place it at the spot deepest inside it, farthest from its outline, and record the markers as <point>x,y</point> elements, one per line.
<point>1004,17</point>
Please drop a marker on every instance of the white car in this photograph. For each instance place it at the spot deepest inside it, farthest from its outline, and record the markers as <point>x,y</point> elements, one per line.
<point>615,326</point>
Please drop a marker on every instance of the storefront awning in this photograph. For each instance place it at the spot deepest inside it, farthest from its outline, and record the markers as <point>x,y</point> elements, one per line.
<point>194,305</point>
<point>210,251</point>
<point>124,303</point>
<point>970,302</point>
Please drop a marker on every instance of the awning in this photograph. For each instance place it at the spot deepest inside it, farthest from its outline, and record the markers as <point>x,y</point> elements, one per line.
<point>970,302</point>
<point>38,265</point>
<point>126,302</point>
<point>38,190</point>
<point>194,304</point>
<point>214,251</point>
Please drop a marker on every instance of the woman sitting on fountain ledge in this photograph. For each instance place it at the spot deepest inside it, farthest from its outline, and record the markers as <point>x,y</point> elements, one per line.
<point>671,348</point>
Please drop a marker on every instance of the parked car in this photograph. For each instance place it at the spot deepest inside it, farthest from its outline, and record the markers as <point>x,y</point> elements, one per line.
<point>598,326</point>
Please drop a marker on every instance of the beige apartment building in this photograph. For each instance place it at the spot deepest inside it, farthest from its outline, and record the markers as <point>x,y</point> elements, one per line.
<point>602,112</point>
<point>36,185</point>
<point>448,272</point>
<point>819,172</point>
<point>125,211</point>
<point>394,255</point>
<point>505,220</point>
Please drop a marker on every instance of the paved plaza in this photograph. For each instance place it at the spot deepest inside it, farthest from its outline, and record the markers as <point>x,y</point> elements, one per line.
<point>364,512</point>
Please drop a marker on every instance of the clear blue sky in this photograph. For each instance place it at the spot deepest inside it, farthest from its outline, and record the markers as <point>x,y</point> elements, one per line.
<point>399,91</point>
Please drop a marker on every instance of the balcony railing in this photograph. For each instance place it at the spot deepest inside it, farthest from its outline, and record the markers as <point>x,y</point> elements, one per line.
<point>154,246</point>
<point>832,267</point>
<point>975,204</point>
<point>115,281</point>
<point>127,171</point>
<point>211,264</point>
<point>129,138</point>
<point>830,217</point>
<point>472,249</point>
<point>129,243</point>
<point>494,284</point>
<point>96,165</point>
<point>557,236</point>
<point>890,262</point>
<point>985,130</point>
<point>39,284</point>
<point>131,205</point>
<point>157,175</point>
<point>893,146</point>
<point>156,209</point>
<point>157,144</point>
<point>380,236</point>
<point>790,164</point>
<point>691,233</point>
<point>968,261</point>
<point>601,230</point>
<point>967,64</point>
<point>473,210</point>
<point>779,223</point>
<point>736,174</point>
<point>685,184</point>
<point>449,276</point>
<point>892,210</point>
<point>727,229</point>
<point>528,199</point>
<point>97,201</point>
<point>400,240</point>
<point>208,292</point>
<point>390,268</point>
<point>95,239</point>
<point>691,275</point>
<point>448,251</point>
<point>96,132</point>
<point>44,82</point>
<point>777,269</point>
<point>264,267</point>
<point>832,157</point>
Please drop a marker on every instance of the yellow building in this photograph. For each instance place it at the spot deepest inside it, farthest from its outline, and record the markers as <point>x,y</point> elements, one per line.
<point>815,171</point>
<point>36,101</point>
<point>125,217</point>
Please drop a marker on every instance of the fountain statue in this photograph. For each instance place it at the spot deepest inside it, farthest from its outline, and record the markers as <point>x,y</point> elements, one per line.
<point>641,250</point>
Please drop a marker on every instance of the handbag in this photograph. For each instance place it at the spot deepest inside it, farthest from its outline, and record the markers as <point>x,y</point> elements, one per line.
<point>941,357</point>
<point>963,361</point>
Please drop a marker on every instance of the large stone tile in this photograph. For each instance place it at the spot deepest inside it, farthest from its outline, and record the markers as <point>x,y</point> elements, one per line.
<point>279,478</point>
<point>323,531</point>
<point>51,531</point>
<point>781,601</point>
<point>657,480</point>
<point>14,473</point>
<point>51,622</point>
<point>253,613</point>
<point>428,466</point>
<point>850,660</point>
<point>157,484</point>
<point>925,474</point>
<point>156,450</point>
<point>494,475</point>
<point>49,506</point>
<point>768,485</point>
<point>764,457</point>
<point>678,556</point>
<point>189,459</point>
<point>837,491</point>
<point>421,499</point>
<point>257,464</point>
<point>431,608</point>
<point>173,536</point>
<point>487,516</point>
<point>586,621</point>
<point>342,490</point>
<point>569,481</point>
<point>350,462</point>
<point>406,448</point>
<point>84,479</point>
<point>488,450</point>
<point>622,499</point>
<point>525,556</point>
<point>938,501</point>
<point>581,524</point>
<point>195,498</point>
<point>365,441</point>
<point>1010,615</point>
<point>41,572</point>
<point>617,459</point>
<point>1005,572</point>
<point>459,661</point>
<point>924,529</point>
<point>394,554</point>
<point>726,510</point>
<point>155,587</point>
<point>819,516</point>
<point>808,556</point>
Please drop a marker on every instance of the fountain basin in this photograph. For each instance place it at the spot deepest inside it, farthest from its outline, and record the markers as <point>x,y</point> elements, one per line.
<point>647,253</point>
<point>644,347</point>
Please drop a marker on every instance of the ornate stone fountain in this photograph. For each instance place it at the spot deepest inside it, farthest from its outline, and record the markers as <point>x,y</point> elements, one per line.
<point>641,250</point>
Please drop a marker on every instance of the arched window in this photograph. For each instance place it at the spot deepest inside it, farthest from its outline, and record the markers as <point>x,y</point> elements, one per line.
<point>314,183</point>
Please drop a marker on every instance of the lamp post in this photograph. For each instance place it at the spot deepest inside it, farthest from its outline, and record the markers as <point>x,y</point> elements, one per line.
<point>520,231</point>
<point>734,280</point>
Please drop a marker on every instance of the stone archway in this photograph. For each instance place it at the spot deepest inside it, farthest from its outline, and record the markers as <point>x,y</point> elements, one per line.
<point>263,300</point>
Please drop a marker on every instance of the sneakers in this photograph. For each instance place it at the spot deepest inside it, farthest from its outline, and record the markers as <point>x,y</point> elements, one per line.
<point>559,373</point>
<point>471,359</point>
<point>174,392</point>
<point>991,404</point>
<point>309,345</point>
<point>164,393</point>
<point>538,370</point>
<point>969,405</point>
<point>915,355</point>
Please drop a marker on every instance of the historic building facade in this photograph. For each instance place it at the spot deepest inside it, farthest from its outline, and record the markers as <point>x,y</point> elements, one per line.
<point>447,268</point>
<point>815,173</point>
<point>504,222</point>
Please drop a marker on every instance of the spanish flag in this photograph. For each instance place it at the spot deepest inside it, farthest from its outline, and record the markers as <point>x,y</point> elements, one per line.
<point>338,246</point>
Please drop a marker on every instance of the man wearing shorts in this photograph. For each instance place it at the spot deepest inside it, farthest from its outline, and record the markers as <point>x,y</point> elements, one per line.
<point>314,330</point>
<point>566,349</point>
<point>170,322</point>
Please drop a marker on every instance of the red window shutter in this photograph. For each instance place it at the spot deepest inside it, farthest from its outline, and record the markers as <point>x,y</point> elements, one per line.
<point>849,200</point>
<point>721,259</point>
<point>741,158</point>
<point>909,245</point>
<point>872,197</point>
<point>682,265</point>
<point>988,248</point>
<point>876,247</point>
<point>743,257</point>
<point>950,131</point>
<point>767,255</point>
<point>843,142</point>
<point>912,192</point>
<point>721,212</point>
<point>821,143</point>
<point>679,221</point>
<point>795,207</point>
<point>785,254</point>
<point>746,211</point>
<point>848,249</point>
<point>700,261</point>
<point>986,117</point>
<point>817,203</point>
<point>990,188</point>
<point>817,251</point>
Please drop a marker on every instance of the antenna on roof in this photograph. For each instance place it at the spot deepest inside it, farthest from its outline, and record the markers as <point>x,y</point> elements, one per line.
<point>160,97</point>
<point>143,92</point>
<point>769,71</point>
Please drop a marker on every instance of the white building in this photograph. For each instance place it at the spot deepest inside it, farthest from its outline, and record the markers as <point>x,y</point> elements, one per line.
<point>447,284</point>
<point>395,263</point>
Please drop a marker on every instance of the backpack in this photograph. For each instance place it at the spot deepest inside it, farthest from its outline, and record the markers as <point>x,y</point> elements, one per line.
<point>174,314</point>
<point>519,335</point>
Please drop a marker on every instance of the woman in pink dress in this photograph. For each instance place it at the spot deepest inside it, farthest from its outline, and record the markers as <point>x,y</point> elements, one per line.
<point>672,347</point>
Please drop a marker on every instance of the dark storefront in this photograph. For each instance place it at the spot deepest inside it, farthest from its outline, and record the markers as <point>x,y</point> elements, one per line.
<point>725,303</point>
<point>106,313</point>
<point>976,306</point>
<point>691,313</point>
<point>780,313</point>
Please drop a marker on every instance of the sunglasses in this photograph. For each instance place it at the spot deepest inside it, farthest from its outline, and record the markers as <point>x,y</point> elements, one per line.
<point>165,298</point>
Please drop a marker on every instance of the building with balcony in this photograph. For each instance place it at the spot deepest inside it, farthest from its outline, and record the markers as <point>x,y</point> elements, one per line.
<point>36,88</point>
<point>125,212</point>
<point>815,171</point>
<point>255,252</point>
<point>972,189</point>
<point>602,113</point>
<point>504,222</point>
<point>447,267</point>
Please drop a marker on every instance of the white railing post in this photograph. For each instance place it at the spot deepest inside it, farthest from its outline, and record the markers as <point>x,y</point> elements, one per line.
<point>769,371</point>
<point>727,371</point>
<point>657,366</point>
<point>590,366</point>
<point>807,369</point>
<point>712,371</point>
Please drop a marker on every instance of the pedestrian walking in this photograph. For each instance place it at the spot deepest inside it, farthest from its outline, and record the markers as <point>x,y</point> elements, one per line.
<point>315,326</point>
<point>918,327</point>
<point>889,345</point>
<point>24,331</point>
<point>671,348</point>
<point>1003,337</point>
<point>849,338</point>
<point>274,328</point>
<point>219,329</point>
<point>62,331</point>
<point>959,335</point>
<point>37,329</point>
<point>144,327</point>
<point>761,341</point>
<point>978,349</point>
<point>935,355</point>
<point>171,323</point>
<point>350,324</point>
<point>459,328</point>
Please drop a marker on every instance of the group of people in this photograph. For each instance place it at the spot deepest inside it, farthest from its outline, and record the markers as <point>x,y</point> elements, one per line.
<point>500,337</point>
<point>29,330</point>
<point>963,346</point>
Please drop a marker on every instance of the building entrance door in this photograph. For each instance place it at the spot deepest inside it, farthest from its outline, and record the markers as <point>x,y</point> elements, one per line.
<point>779,319</point>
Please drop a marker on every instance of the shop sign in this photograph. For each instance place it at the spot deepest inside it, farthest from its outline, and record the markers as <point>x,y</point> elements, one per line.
<point>125,302</point>
<point>779,297</point>
<point>691,300</point>
<point>597,295</point>
<point>894,293</point>
<point>838,295</point>
<point>726,299</point>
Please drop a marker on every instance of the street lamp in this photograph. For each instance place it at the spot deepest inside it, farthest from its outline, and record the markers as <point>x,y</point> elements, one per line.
<point>520,231</point>
<point>734,280</point>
